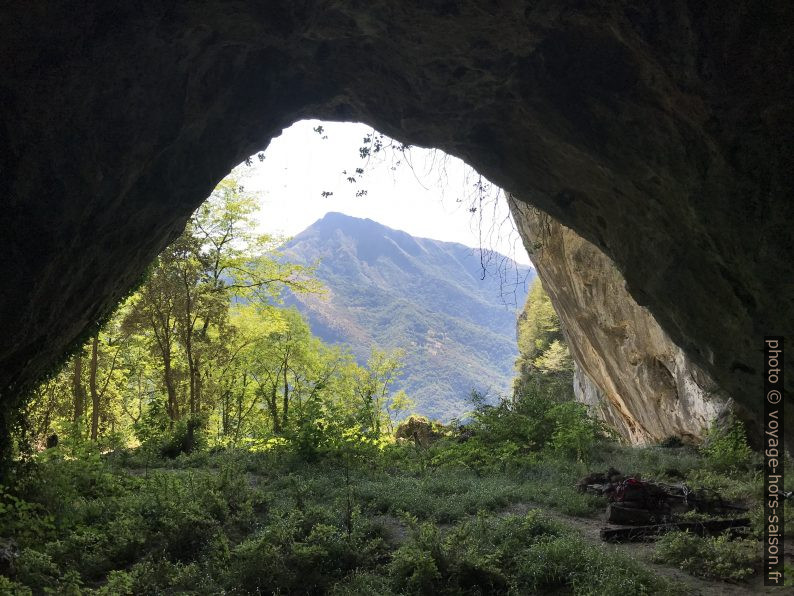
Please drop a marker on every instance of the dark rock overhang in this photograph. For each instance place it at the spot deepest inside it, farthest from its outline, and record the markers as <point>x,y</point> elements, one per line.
<point>659,131</point>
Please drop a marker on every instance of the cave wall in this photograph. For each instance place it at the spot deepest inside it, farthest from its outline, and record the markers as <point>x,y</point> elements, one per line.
<point>659,131</point>
<point>627,369</point>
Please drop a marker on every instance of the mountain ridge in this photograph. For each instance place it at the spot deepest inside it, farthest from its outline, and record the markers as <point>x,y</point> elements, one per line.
<point>389,289</point>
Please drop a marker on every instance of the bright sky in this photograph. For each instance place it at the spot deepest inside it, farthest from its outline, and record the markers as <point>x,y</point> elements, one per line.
<point>429,198</point>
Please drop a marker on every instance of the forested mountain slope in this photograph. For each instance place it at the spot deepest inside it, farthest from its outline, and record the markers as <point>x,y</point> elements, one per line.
<point>388,289</point>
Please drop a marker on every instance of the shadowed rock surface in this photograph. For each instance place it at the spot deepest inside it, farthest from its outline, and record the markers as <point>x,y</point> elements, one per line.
<point>660,132</point>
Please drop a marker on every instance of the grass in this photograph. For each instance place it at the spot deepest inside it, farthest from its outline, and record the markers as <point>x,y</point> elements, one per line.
<point>716,557</point>
<point>239,522</point>
<point>514,554</point>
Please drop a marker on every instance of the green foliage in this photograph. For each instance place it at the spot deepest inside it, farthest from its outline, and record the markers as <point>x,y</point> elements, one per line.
<point>575,432</point>
<point>360,517</point>
<point>37,570</point>
<point>443,497</point>
<point>21,518</point>
<point>209,443</point>
<point>544,363</point>
<point>13,588</point>
<point>586,569</point>
<point>788,573</point>
<point>513,554</point>
<point>516,431</point>
<point>717,557</point>
<point>727,450</point>
<point>186,437</point>
<point>759,523</point>
<point>154,423</point>
<point>539,325</point>
<point>304,550</point>
<point>204,355</point>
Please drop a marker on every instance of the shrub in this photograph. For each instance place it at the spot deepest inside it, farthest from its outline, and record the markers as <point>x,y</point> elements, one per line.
<point>119,583</point>
<point>186,437</point>
<point>154,423</point>
<point>303,552</point>
<point>711,557</point>
<point>533,421</point>
<point>23,520</point>
<point>671,442</point>
<point>726,449</point>
<point>13,588</point>
<point>514,554</point>
<point>430,564</point>
<point>363,583</point>
<point>415,569</point>
<point>586,569</point>
<point>160,576</point>
<point>37,570</point>
<point>575,432</point>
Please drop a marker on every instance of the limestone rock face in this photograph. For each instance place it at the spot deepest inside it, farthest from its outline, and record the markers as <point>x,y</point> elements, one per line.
<point>627,369</point>
<point>659,131</point>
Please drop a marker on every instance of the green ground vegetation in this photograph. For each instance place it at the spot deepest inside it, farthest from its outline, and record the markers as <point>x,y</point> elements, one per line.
<point>489,508</point>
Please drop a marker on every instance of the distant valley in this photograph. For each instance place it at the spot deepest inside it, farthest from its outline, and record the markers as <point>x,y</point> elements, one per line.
<point>390,289</point>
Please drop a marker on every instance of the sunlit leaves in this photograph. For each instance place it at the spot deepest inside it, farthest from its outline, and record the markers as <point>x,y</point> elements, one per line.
<point>205,344</point>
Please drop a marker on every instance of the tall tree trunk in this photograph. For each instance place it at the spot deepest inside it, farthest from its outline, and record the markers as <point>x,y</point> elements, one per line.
<point>239,419</point>
<point>272,404</point>
<point>224,406</point>
<point>92,387</point>
<point>51,400</point>
<point>78,391</point>
<point>168,378</point>
<point>191,370</point>
<point>197,383</point>
<point>44,429</point>
<point>187,333</point>
<point>286,399</point>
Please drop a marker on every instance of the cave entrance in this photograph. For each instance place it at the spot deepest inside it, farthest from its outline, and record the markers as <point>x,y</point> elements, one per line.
<point>404,260</point>
<point>631,126</point>
<point>315,167</point>
<point>417,250</point>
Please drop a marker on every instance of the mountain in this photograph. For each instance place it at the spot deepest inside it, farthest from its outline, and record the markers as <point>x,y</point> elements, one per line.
<point>389,289</point>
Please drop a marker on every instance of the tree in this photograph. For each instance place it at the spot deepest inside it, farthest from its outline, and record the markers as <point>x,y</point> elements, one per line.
<point>78,392</point>
<point>400,406</point>
<point>153,313</point>
<point>219,259</point>
<point>104,362</point>
<point>203,339</point>
<point>52,405</point>
<point>277,358</point>
<point>141,378</point>
<point>373,385</point>
<point>544,363</point>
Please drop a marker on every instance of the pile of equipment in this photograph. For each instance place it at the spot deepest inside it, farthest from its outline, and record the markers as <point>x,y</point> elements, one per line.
<point>639,510</point>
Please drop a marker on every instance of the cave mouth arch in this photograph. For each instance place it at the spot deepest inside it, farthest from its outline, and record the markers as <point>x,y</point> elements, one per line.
<point>414,248</point>
<point>658,135</point>
<point>314,167</point>
<point>440,297</point>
